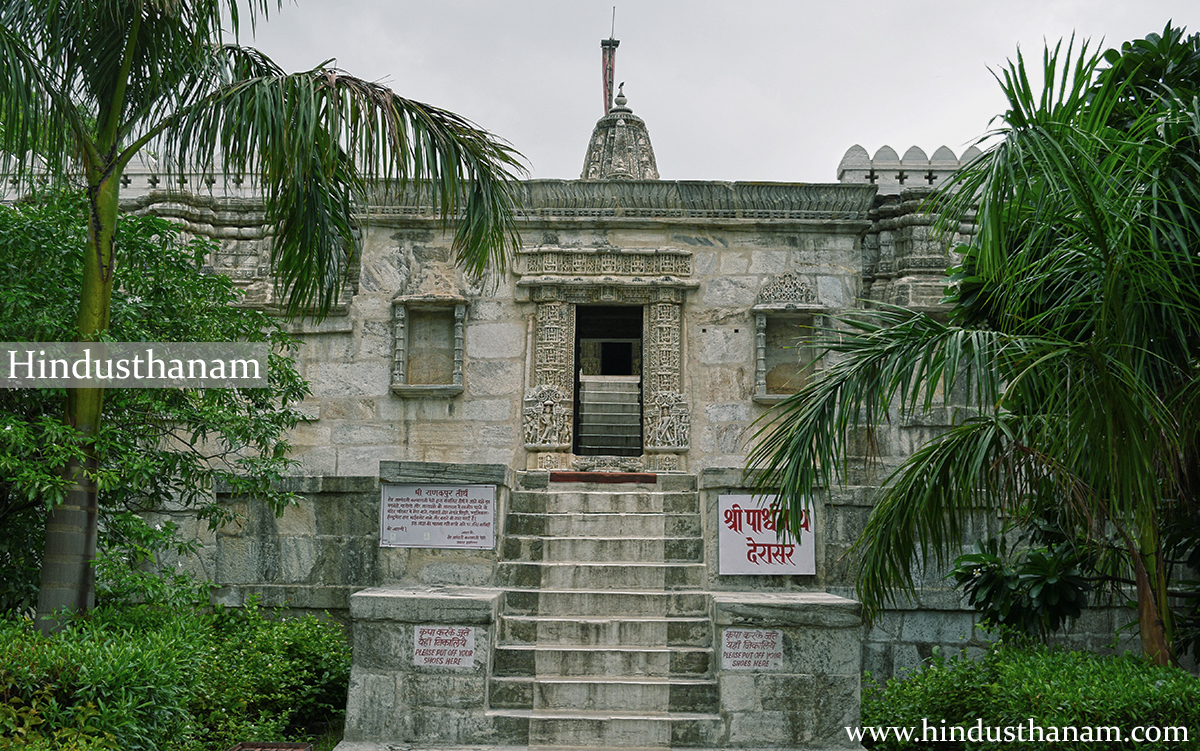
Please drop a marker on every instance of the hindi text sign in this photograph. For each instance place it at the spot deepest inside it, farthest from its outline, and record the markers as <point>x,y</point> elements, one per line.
<point>444,646</point>
<point>752,649</point>
<point>438,516</point>
<point>748,542</point>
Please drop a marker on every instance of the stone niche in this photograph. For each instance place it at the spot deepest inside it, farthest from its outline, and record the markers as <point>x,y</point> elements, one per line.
<point>427,351</point>
<point>786,314</point>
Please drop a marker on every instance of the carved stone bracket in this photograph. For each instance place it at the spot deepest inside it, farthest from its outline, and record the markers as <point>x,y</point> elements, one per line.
<point>668,423</point>
<point>547,419</point>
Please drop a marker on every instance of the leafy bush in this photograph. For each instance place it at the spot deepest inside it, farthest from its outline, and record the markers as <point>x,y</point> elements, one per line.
<point>153,677</point>
<point>1019,680</point>
<point>1035,591</point>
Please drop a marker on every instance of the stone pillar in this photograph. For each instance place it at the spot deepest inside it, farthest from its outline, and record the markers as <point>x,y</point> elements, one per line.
<point>667,414</point>
<point>549,402</point>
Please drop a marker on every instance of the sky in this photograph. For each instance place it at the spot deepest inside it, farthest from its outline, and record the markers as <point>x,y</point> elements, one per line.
<point>770,90</point>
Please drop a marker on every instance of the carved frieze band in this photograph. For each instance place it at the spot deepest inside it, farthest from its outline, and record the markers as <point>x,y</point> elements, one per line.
<point>598,261</point>
<point>544,289</point>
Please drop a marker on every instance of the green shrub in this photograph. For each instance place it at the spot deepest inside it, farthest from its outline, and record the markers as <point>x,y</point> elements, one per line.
<point>270,678</point>
<point>154,677</point>
<point>1019,680</point>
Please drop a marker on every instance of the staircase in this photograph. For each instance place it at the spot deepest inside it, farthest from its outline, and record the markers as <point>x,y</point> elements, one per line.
<point>610,416</point>
<point>605,638</point>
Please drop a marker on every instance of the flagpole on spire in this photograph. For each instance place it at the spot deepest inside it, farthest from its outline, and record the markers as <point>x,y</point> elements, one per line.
<point>608,58</point>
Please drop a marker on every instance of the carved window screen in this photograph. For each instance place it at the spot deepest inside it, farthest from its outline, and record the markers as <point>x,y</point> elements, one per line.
<point>427,352</point>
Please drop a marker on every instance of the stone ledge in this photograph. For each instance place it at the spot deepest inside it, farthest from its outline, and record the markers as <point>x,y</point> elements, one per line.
<point>442,472</point>
<point>767,609</point>
<point>451,605</point>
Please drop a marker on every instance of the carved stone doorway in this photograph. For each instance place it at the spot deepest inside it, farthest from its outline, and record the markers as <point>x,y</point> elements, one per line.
<point>549,413</point>
<point>608,382</point>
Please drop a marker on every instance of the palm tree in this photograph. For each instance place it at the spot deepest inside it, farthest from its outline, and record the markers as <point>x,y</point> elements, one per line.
<point>87,86</point>
<point>1074,331</point>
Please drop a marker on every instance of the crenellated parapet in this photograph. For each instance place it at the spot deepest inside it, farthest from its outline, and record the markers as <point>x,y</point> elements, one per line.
<point>892,174</point>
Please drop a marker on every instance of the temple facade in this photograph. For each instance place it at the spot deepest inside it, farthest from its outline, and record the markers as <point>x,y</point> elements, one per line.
<point>605,388</point>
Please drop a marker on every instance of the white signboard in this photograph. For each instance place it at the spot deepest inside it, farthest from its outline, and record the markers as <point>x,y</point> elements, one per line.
<point>751,649</point>
<point>444,646</point>
<point>438,516</point>
<point>748,542</point>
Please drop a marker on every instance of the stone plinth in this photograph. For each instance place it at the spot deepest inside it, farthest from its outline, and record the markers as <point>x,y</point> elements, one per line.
<point>394,698</point>
<point>807,698</point>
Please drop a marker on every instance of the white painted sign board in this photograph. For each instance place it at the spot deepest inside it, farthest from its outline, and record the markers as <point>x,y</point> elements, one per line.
<point>444,646</point>
<point>752,649</point>
<point>748,543</point>
<point>438,516</point>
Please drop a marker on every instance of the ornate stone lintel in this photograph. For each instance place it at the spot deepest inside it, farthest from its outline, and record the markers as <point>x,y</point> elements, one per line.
<point>668,423</point>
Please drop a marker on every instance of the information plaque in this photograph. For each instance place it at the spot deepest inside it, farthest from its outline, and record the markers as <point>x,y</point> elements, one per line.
<point>748,542</point>
<point>438,516</point>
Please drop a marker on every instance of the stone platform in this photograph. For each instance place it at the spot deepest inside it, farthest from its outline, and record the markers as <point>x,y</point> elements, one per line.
<point>601,632</point>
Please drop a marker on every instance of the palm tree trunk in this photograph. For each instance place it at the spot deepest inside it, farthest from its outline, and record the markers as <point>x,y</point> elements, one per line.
<point>68,580</point>
<point>1153,615</point>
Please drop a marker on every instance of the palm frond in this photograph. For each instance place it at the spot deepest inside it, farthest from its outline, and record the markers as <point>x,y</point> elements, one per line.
<point>317,139</point>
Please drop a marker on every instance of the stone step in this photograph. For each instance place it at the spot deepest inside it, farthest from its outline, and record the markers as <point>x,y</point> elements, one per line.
<point>539,660</point>
<point>603,525</point>
<point>608,439</point>
<point>598,407</point>
<point>631,576</point>
<point>538,480</point>
<point>638,694</point>
<point>614,549</point>
<point>609,387</point>
<point>628,694</point>
<point>578,728</point>
<point>634,576</point>
<point>597,502</point>
<point>610,632</point>
<point>610,603</point>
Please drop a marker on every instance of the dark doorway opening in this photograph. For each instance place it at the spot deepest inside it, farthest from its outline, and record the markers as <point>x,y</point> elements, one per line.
<point>608,392</point>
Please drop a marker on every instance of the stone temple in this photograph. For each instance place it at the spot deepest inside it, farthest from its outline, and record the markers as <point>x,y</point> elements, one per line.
<point>584,419</point>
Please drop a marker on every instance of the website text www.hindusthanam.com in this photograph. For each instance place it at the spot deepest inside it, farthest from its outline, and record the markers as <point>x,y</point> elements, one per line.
<point>151,365</point>
<point>1026,732</point>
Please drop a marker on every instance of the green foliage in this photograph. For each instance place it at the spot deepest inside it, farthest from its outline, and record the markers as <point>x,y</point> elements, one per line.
<point>1034,591</point>
<point>1073,335</point>
<point>152,677</point>
<point>270,677</point>
<point>157,445</point>
<point>1019,680</point>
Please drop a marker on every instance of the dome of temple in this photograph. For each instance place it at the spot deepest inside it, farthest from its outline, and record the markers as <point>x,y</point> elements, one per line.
<point>620,146</point>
